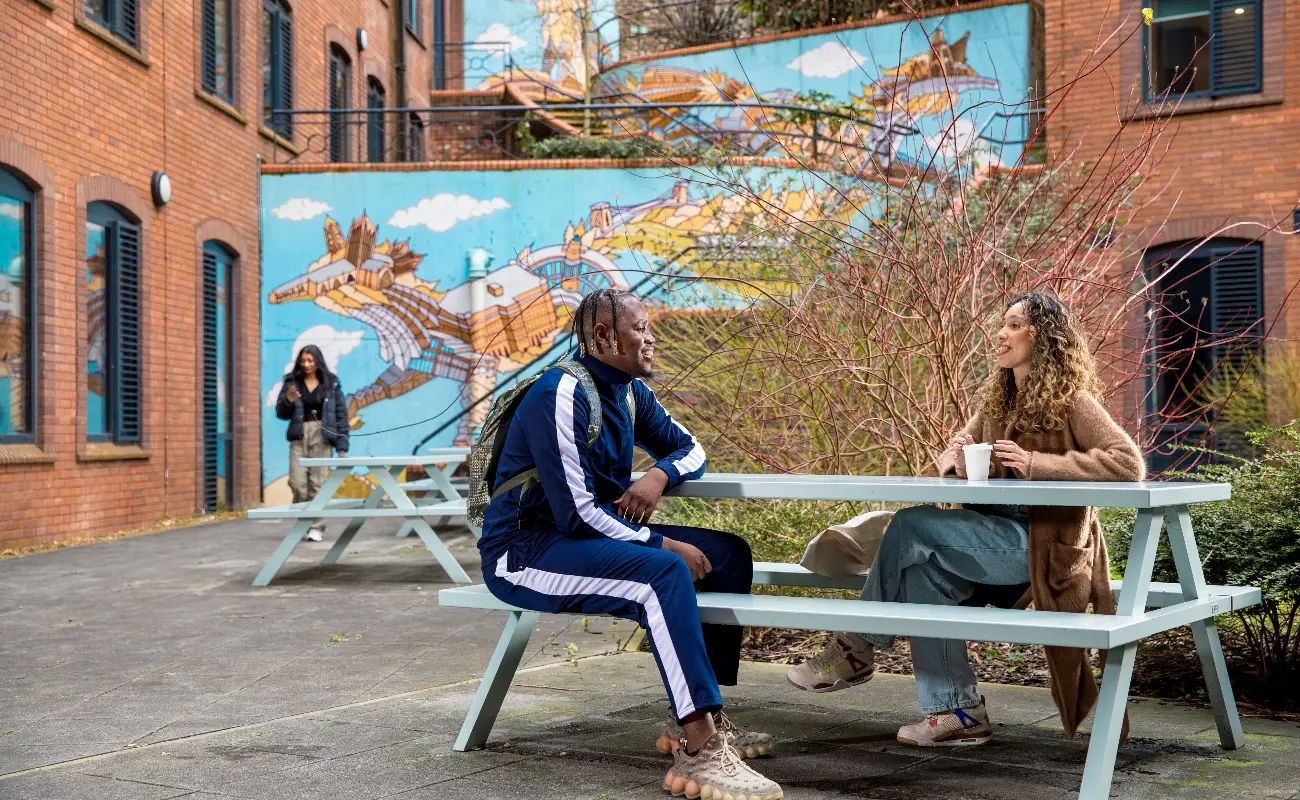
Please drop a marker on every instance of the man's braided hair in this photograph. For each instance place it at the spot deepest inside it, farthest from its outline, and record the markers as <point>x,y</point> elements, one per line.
<point>584,319</point>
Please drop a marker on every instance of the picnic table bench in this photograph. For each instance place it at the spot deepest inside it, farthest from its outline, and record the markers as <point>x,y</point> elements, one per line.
<point>385,469</point>
<point>1189,602</point>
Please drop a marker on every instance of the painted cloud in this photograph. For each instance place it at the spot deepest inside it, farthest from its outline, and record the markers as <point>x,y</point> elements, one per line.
<point>333,344</point>
<point>496,35</point>
<point>831,60</point>
<point>442,211</point>
<point>300,209</point>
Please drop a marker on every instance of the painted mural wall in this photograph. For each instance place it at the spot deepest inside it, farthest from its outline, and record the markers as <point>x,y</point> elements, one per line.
<point>372,267</point>
<point>923,90</point>
<point>543,38</point>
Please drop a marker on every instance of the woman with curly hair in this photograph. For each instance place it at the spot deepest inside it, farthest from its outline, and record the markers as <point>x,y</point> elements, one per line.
<point>1040,411</point>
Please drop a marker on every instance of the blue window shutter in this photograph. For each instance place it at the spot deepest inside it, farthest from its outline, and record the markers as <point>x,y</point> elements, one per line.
<point>209,30</point>
<point>1235,47</point>
<point>286,69</point>
<point>126,371</point>
<point>1236,302</point>
<point>210,378</point>
<point>128,20</point>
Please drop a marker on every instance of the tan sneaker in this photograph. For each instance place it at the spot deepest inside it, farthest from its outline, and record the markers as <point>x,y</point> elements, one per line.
<point>717,773</point>
<point>960,728</point>
<point>838,666</point>
<point>748,744</point>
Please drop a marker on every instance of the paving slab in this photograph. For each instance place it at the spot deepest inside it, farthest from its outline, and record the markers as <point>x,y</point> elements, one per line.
<point>149,668</point>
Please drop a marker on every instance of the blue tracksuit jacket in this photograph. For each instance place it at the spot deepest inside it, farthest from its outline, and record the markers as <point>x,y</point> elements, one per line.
<point>579,484</point>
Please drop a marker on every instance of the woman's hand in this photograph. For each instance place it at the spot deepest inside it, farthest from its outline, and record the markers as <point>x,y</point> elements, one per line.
<point>641,498</point>
<point>955,448</point>
<point>695,560</point>
<point>291,393</point>
<point>1011,455</point>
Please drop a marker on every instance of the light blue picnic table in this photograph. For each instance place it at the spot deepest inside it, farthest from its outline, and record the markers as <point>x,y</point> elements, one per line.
<point>1159,505</point>
<point>384,470</point>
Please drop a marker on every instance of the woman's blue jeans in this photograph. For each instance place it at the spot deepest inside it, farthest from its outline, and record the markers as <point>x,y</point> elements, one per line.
<point>935,556</point>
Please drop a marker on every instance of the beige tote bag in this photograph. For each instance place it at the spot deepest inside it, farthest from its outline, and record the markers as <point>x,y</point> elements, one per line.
<point>849,548</point>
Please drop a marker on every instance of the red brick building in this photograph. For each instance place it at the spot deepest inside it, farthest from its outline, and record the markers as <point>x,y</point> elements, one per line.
<point>129,330</point>
<point>1233,155</point>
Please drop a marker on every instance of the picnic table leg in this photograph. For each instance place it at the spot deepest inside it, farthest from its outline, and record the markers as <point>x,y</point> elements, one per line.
<point>317,503</point>
<point>1182,542</point>
<point>341,544</point>
<point>449,493</point>
<point>1108,724</point>
<point>496,681</point>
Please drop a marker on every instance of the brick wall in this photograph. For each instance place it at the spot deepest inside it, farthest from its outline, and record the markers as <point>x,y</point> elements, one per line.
<point>1229,160</point>
<point>87,118</point>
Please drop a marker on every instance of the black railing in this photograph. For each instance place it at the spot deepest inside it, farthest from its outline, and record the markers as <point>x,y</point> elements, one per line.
<point>464,65</point>
<point>777,130</point>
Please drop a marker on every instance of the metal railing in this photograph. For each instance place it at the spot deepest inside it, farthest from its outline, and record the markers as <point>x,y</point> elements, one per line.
<point>777,130</point>
<point>464,65</point>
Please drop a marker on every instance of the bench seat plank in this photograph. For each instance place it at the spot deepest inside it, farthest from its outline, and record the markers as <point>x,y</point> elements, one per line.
<point>770,573</point>
<point>444,509</point>
<point>905,619</point>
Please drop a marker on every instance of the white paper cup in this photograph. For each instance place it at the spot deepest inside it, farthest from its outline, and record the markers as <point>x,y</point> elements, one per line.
<point>978,457</point>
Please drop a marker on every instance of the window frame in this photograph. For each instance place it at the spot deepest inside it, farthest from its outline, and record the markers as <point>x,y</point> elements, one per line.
<point>279,16</point>
<point>207,38</point>
<point>413,22</point>
<point>115,220</point>
<point>112,21</point>
<point>11,185</point>
<point>339,73</point>
<point>1215,250</point>
<point>1213,92</point>
<point>222,253</point>
<point>376,119</point>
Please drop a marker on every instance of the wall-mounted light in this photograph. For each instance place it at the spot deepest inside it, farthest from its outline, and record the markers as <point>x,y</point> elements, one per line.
<point>362,39</point>
<point>478,263</point>
<point>1240,11</point>
<point>161,187</point>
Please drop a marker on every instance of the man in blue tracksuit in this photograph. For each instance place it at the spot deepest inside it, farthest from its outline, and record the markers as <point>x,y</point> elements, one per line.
<point>580,542</point>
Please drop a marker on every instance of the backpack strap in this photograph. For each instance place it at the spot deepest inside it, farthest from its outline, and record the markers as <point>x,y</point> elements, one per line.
<point>528,478</point>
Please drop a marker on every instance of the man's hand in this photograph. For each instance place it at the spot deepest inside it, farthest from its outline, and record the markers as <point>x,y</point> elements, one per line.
<point>641,498</point>
<point>695,560</point>
<point>955,447</point>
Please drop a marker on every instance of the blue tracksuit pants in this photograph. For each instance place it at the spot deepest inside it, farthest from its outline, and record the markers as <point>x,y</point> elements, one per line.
<point>624,579</point>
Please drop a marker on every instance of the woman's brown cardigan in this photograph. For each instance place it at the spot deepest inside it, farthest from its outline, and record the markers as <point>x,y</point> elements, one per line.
<point>1068,564</point>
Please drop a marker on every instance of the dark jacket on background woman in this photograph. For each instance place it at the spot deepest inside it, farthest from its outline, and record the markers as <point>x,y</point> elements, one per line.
<point>334,412</point>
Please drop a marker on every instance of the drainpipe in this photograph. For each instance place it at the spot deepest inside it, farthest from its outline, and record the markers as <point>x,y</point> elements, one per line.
<point>478,264</point>
<point>399,61</point>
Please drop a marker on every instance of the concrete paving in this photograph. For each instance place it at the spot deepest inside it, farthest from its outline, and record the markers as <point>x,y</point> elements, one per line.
<point>149,668</point>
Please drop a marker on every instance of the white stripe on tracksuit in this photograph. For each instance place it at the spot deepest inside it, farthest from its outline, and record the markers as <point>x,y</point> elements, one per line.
<point>586,505</point>
<point>557,585</point>
<point>692,460</point>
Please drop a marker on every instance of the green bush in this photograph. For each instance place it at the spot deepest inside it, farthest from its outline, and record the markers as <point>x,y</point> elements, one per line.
<point>1252,539</point>
<point>599,147</point>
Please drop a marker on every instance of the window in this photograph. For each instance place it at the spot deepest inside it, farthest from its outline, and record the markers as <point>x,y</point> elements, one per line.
<point>113,326</point>
<point>1207,327</point>
<point>413,17</point>
<point>17,311</point>
<point>375,140</point>
<point>118,16</point>
<point>218,49</point>
<point>340,80</point>
<point>218,379</point>
<point>415,139</point>
<point>1204,48</point>
<point>277,67</point>
<point>439,46</point>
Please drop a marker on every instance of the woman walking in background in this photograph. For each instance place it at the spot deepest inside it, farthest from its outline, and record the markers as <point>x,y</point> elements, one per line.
<point>312,400</point>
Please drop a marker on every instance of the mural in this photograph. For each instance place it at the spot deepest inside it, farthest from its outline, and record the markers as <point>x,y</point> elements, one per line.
<point>373,267</point>
<point>919,92</point>
<point>417,344</point>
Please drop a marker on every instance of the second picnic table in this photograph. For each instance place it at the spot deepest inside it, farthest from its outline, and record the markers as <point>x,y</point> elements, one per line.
<point>384,470</point>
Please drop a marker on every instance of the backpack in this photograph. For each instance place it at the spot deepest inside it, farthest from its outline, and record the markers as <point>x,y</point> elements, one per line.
<point>485,454</point>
